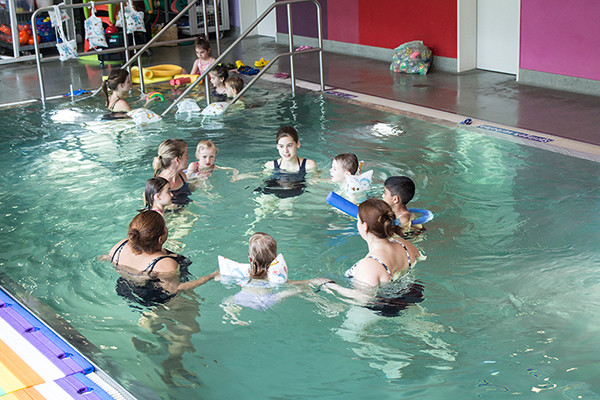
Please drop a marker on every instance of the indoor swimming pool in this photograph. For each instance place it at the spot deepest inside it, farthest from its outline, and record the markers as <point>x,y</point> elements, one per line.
<point>510,303</point>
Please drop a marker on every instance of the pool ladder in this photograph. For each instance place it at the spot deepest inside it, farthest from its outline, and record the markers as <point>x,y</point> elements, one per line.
<point>291,53</point>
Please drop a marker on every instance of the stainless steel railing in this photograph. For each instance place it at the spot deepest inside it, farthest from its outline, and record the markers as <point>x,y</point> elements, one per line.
<point>126,48</point>
<point>291,53</point>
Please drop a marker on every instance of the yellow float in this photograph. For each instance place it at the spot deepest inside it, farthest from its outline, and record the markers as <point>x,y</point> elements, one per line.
<point>156,73</point>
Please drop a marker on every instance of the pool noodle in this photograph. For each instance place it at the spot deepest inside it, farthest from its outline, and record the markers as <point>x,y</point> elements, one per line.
<point>342,204</point>
<point>351,209</point>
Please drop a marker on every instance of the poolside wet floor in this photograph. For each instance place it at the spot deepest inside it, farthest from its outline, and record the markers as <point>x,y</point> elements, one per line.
<point>478,94</point>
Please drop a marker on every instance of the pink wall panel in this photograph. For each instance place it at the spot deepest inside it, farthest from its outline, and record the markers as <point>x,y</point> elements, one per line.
<point>342,20</point>
<point>561,37</point>
<point>389,23</point>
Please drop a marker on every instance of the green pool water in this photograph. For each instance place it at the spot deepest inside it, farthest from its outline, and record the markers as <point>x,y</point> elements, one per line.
<point>511,286</point>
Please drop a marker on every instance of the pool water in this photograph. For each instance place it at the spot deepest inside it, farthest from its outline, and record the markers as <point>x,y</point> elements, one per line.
<point>511,289</point>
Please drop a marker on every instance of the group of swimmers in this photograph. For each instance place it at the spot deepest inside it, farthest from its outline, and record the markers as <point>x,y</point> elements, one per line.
<point>224,86</point>
<point>150,268</point>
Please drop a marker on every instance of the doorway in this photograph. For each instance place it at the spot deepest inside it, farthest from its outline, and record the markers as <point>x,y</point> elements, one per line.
<point>488,35</point>
<point>498,35</point>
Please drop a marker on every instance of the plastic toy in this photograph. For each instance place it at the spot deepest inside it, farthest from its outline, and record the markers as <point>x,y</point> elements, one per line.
<point>261,63</point>
<point>156,95</point>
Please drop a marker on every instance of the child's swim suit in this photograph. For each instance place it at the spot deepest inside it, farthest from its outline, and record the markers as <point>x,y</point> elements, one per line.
<point>285,184</point>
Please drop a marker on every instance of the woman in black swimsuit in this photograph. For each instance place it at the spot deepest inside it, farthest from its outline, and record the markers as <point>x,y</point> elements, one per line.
<point>143,262</point>
<point>169,164</point>
<point>120,84</point>
<point>389,257</point>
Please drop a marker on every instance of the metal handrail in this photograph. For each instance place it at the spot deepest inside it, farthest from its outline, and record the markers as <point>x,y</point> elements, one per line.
<point>291,53</point>
<point>36,44</point>
<point>126,47</point>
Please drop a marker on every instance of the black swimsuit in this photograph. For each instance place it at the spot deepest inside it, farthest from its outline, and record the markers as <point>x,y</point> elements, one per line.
<point>151,292</point>
<point>285,184</point>
<point>181,196</point>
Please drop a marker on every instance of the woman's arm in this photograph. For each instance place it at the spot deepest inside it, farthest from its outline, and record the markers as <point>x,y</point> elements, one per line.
<point>362,294</point>
<point>198,282</point>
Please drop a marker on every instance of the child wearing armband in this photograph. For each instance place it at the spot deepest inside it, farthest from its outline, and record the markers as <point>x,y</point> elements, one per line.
<point>399,190</point>
<point>345,171</point>
<point>266,270</point>
<point>342,165</point>
<point>206,153</point>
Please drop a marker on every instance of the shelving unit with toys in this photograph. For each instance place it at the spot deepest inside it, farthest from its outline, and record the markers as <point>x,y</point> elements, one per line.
<point>15,29</point>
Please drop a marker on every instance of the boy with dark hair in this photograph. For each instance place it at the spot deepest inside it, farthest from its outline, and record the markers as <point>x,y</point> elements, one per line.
<point>399,190</point>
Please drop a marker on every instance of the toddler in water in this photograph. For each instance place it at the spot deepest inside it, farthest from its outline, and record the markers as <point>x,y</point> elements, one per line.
<point>217,76</point>
<point>267,270</point>
<point>157,195</point>
<point>206,153</point>
<point>342,165</point>
<point>202,47</point>
<point>233,85</point>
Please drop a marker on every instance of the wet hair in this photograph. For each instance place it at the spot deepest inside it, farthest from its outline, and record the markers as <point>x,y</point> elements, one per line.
<point>115,78</point>
<point>205,145</point>
<point>262,249</point>
<point>220,71</point>
<point>401,186</point>
<point>380,219</point>
<point>145,230</point>
<point>167,152</point>
<point>287,131</point>
<point>153,186</point>
<point>348,161</point>
<point>235,82</point>
<point>202,42</point>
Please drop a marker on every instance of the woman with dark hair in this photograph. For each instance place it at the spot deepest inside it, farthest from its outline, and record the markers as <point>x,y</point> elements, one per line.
<point>120,84</point>
<point>389,258</point>
<point>151,272</point>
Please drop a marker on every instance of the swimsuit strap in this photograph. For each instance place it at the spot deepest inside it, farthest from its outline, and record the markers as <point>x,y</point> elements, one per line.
<point>150,266</point>
<point>275,165</point>
<point>302,167</point>
<point>382,263</point>
<point>114,103</point>
<point>118,252</point>
<point>406,250</point>
<point>197,166</point>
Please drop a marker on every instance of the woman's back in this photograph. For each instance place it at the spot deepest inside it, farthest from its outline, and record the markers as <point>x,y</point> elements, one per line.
<point>122,256</point>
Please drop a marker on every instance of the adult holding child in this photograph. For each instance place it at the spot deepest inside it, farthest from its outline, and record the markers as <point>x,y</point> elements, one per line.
<point>170,163</point>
